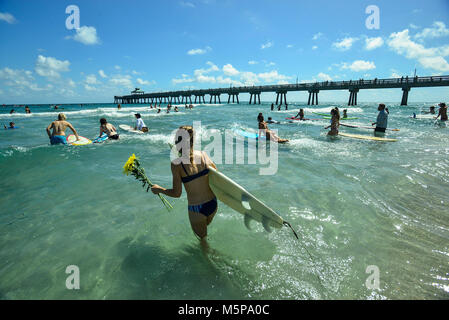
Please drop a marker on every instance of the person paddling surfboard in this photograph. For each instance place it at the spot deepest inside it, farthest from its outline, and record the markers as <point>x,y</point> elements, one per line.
<point>191,169</point>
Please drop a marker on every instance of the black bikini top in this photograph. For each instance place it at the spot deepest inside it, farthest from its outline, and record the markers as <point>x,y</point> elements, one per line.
<point>193,176</point>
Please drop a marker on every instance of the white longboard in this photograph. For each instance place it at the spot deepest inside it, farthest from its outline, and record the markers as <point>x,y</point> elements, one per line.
<point>130,129</point>
<point>71,139</point>
<point>237,198</point>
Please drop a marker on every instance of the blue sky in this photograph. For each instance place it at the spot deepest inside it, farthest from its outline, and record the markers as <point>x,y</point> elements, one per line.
<point>172,45</point>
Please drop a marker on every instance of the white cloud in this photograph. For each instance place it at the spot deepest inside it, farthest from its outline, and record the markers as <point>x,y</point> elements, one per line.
<point>89,88</point>
<point>430,58</point>
<point>91,79</point>
<point>86,35</point>
<point>252,62</point>
<point>272,76</point>
<point>184,79</point>
<point>414,26</point>
<point>20,80</point>
<point>144,82</point>
<point>317,36</point>
<point>373,43</point>
<point>122,80</point>
<point>269,44</point>
<point>193,52</point>
<point>437,63</point>
<point>270,64</point>
<point>116,67</point>
<point>229,70</point>
<point>344,44</point>
<point>102,74</point>
<point>51,67</point>
<point>289,46</point>
<point>314,47</point>
<point>7,17</point>
<point>395,74</point>
<point>359,65</point>
<point>324,77</point>
<point>249,78</point>
<point>439,30</point>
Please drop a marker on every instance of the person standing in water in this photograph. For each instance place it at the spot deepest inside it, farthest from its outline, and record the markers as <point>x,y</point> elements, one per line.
<point>272,106</point>
<point>335,122</point>
<point>119,106</point>
<point>442,112</point>
<point>109,129</point>
<point>192,169</point>
<point>382,119</point>
<point>27,109</point>
<point>270,135</point>
<point>140,125</point>
<point>59,126</point>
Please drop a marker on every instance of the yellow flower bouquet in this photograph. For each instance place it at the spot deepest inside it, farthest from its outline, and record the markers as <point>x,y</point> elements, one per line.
<point>133,166</point>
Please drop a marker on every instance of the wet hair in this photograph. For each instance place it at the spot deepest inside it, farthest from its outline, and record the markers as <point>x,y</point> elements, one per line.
<point>381,105</point>
<point>62,116</point>
<point>260,117</point>
<point>269,118</point>
<point>103,121</point>
<point>11,124</point>
<point>138,115</point>
<point>442,104</point>
<point>179,136</point>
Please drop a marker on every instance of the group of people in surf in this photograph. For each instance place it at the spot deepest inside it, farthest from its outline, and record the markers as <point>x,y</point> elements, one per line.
<point>381,121</point>
<point>56,130</point>
<point>442,112</point>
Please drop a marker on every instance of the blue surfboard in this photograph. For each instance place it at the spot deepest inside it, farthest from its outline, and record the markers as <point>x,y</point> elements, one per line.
<point>103,137</point>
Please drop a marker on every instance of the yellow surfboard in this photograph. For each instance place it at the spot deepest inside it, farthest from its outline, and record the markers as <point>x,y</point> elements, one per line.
<point>359,136</point>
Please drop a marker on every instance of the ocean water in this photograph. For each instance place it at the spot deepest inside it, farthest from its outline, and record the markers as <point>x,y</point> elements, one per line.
<point>354,204</point>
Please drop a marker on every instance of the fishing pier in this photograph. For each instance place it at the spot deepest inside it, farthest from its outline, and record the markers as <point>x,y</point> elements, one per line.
<point>313,88</point>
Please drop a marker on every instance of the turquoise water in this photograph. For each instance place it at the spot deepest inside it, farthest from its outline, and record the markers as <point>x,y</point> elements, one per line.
<point>354,204</point>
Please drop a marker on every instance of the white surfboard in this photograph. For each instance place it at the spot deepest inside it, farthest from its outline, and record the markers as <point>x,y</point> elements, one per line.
<point>71,139</point>
<point>424,116</point>
<point>129,129</point>
<point>359,136</point>
<point>237,198</point>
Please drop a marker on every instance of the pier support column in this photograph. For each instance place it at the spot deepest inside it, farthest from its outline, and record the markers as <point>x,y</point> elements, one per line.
<point>313,97</point>
<point>250,98</point>
<point>277,98</point>
<point>405,92</point>
<point>353,97</point>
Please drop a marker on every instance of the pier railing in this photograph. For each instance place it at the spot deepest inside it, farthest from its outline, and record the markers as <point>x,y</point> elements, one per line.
<point>405,83</point>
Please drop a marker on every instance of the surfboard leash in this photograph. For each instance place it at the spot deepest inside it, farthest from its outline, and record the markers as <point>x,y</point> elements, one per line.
<point>285,223</point>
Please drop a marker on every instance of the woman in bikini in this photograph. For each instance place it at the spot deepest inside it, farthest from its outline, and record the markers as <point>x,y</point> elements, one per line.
<point>191,169</point>
<point>335,122</point>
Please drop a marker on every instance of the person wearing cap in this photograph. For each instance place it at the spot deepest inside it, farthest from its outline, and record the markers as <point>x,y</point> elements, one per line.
<point>140,125</point>
<point>442,112</point>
